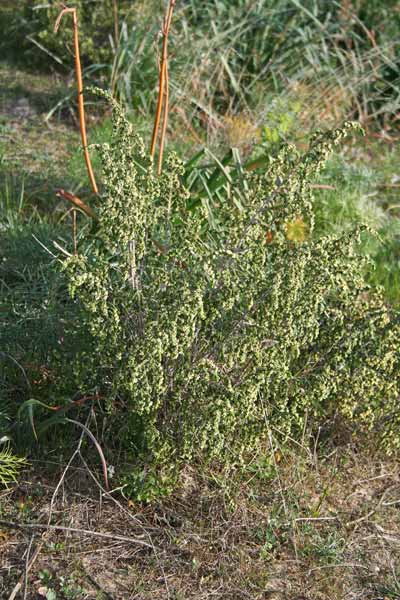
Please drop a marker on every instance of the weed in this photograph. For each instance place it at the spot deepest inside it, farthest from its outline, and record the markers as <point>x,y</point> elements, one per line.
<point>130,214</point>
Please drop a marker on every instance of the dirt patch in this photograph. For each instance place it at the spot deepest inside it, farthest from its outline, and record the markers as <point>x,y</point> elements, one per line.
<point>315,529</point>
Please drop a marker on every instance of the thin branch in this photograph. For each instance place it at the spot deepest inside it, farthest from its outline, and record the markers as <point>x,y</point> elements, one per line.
<point>28,554</point>
<point>98,448</point>
<point>322,186</point>
<point>158,112</point>
<point>79,81</point>
<point>28,566</point>
<point>41,526</point>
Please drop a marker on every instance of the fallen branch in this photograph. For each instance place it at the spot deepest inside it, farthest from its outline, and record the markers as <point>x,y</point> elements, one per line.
<point>28,565</point>
<point>40,526</point>
<point>322,186</point>
<point>388,185</point>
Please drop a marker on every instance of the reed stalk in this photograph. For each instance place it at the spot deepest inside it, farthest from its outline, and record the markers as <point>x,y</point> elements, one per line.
<point>79,80</point>
<point>163,90</point>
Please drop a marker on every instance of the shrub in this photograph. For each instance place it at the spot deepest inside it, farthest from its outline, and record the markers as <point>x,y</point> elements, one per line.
<point>202,340</point>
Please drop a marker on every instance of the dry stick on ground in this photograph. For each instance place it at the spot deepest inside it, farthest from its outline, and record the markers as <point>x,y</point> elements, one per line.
<point>81,106</point>
<point>28,566</point>
<point>28,554</point>
<point>107,536</point>
<point>163,84</point>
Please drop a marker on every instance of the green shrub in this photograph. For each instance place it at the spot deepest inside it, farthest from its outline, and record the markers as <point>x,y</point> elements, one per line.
<point>201,340</point>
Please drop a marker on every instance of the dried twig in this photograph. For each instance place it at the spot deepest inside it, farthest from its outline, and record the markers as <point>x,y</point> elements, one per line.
<point>388,185</point>
<point>316,519</point>
<point>97,446</point>
<point>79,80</point>
<point>165,121</point>
<point>41,526</point>
<point>28,565</point>
<point>340,566</point>
<point>322,186</point>
<point>28,554</point>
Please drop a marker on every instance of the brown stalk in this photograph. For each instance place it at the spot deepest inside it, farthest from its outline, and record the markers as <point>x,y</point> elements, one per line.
<point>116,21</point>
<point>79,80</point>
<point>165,121</point>
<point>163,92</point>
<point>97,446</point>
<point>74,231</point>
<point>76,202</point>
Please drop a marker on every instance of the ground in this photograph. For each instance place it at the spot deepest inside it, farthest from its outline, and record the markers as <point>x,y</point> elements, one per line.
<point>303,524</point>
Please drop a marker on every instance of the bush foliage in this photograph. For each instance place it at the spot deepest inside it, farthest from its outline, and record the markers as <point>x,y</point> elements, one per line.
<point>202,340</point>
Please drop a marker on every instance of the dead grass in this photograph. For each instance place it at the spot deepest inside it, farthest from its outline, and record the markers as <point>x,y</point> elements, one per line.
<point>304,525</point>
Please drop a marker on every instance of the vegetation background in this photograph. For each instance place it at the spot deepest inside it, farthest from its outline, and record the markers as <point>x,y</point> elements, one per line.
<point>317,517</point>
